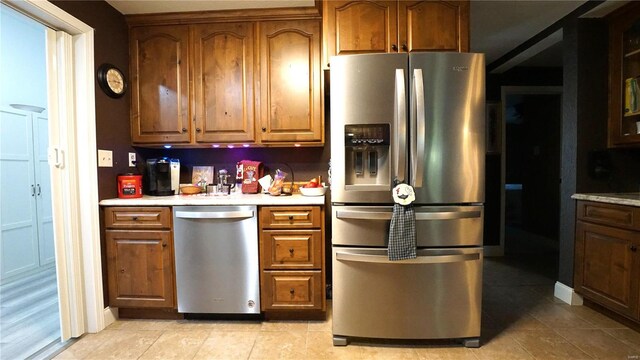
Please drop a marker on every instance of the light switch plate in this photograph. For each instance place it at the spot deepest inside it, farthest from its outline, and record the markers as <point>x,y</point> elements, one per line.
<point>105,158</point>
<point>132,159</point>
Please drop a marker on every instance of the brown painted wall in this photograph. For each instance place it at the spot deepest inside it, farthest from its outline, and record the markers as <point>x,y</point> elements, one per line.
<point>111,45</point>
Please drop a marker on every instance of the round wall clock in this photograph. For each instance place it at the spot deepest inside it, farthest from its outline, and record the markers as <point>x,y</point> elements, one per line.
<point>112,81</point>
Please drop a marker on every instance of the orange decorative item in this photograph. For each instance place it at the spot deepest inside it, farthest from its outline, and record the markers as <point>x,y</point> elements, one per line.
<point>129,186</point>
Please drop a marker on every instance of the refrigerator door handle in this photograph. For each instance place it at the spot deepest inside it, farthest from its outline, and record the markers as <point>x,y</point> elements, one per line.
<point>383,259</point>
<point>418,136</point>
<point>420,216</point>
<point>401,126</point>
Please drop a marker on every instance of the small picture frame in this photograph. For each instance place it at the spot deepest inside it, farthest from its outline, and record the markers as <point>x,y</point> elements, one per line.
<point>493,127</point>
<point>202,175</point>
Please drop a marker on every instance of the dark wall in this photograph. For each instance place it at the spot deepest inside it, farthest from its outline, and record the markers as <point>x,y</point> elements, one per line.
<point>111,45</point>
<point>587,165</point>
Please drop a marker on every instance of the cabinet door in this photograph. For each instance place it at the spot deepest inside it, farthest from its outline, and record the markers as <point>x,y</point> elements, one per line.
<point>434,25</point>
<point>159,84</point>
<point>290,93</point>
<point>140,268</point>
<point>355,27</point>
<point>223,68</point>
<point>606,266</point>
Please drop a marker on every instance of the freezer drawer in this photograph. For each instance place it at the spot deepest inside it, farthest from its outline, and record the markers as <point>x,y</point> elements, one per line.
<point>442,226</point>
<point>435,296</point>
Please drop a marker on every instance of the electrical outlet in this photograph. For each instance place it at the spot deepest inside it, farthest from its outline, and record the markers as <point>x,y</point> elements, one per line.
<point>132,159</point>
<point>105,158</point>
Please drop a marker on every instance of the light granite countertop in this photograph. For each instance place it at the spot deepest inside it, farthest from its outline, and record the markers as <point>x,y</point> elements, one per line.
<point>632,199</point>
<point>201,199</point>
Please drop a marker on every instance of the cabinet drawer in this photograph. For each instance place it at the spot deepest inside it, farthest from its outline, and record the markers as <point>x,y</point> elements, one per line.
<point>288,217</point>
<point>292,290</point>
<point>137,218</point>
<point>621,216</point>
<point>291,249</point>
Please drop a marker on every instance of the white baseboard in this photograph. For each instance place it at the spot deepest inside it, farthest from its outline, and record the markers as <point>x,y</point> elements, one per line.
<point>493,250</point>
<point>566,294</point>
<point>110,316</point>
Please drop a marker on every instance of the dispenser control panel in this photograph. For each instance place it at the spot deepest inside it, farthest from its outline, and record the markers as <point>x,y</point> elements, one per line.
<point>370,134</point>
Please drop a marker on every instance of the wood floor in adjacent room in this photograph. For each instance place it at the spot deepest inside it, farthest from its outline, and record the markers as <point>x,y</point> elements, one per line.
<point>521,320</point>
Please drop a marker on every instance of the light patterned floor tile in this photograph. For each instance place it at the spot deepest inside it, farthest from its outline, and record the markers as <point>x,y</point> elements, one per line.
<point>546,344</point>
<point>125,344</point>
<point>176,344</point>
<point>280,345</point>
<point>81,348</point>
<point>598,344</point>
<point>320,346</point>
<point>140,324</point>
<point>285,326</point>
<point>628,336</point>
<point>235,345</point>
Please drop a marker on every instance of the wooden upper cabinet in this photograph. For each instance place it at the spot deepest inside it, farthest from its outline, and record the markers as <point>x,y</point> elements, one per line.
<point>363,26</point>
<point>624,74</point>
<point>160,84</point>
<point>224,84</point>
<point>290,92</point>
<point>433,26</point>
<point>354,27</point>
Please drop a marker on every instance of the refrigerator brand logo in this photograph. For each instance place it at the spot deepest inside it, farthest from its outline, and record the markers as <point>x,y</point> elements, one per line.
<point>460,68</point>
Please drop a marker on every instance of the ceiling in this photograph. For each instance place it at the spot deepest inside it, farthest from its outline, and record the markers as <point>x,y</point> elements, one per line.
<point>497,26</point>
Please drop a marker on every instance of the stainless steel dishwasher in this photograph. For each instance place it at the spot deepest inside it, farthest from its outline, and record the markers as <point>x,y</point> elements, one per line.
<point>216,252</point>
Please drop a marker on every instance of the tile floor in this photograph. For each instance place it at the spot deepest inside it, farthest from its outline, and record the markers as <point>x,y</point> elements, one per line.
<point>521,320</point>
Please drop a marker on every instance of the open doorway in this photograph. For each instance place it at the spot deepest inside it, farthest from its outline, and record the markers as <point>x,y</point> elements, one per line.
<point>531,174</point>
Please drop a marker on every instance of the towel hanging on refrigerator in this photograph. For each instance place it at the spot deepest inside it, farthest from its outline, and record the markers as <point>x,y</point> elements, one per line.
<point>402,232</point>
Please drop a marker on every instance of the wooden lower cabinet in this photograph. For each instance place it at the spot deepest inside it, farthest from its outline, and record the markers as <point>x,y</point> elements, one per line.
<point>292,290</point>
<point>140,266</point>
<point>292,261</point>
<point>607,262</point>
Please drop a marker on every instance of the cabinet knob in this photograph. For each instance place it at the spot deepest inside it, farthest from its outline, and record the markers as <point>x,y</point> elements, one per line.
<point>394,47</point>
<point>292,291</point>
<point>122,271</point>
<point>291,251</point>
<point>264,129</point>
<point>135,218</point>
<point>198,130</point>
<point>184,130</point>
<point>633,248</point>
<point>404,47</point>
<point>164,244</point>
<point>290,217</point>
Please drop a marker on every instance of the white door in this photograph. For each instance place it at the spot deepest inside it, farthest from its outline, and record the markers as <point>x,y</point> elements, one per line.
<point>19,215</point>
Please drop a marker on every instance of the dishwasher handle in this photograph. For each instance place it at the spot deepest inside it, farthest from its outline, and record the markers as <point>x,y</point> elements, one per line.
<point>215,214</point>
<point>430,259</point>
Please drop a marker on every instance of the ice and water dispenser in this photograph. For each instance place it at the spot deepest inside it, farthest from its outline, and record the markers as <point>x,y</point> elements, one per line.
<point>367,162</point>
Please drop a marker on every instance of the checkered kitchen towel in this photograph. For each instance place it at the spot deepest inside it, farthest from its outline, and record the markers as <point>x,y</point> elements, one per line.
<point>402,233</point>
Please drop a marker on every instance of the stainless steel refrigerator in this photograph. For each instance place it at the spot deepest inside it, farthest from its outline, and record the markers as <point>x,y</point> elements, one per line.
<point>415,118</point>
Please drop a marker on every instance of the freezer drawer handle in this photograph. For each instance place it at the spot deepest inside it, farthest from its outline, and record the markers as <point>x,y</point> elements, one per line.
<point>214,215</point>
<point>384,259</point>
<point>440,215</point>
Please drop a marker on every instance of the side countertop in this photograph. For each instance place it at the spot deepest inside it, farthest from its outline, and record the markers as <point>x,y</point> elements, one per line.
<point>632,199</point>
<point>201,199</point>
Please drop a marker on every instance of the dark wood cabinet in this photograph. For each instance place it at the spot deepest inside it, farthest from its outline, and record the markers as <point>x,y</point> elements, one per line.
<point>159,57</point>
<point>624,76</point>
<point>140,266</point>
<point>292,261</point>
<point>290,91</point>
<point>226,80</point>
<point>224,83</point>
<point>363,26</point>
<point>607,261</point>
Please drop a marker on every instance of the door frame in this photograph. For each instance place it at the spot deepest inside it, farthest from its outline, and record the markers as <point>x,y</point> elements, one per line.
<point>71,98</point>
<point>498,250</point>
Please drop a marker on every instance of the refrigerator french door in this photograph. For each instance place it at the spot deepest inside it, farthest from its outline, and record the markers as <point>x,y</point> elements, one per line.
<point>418,119</point>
